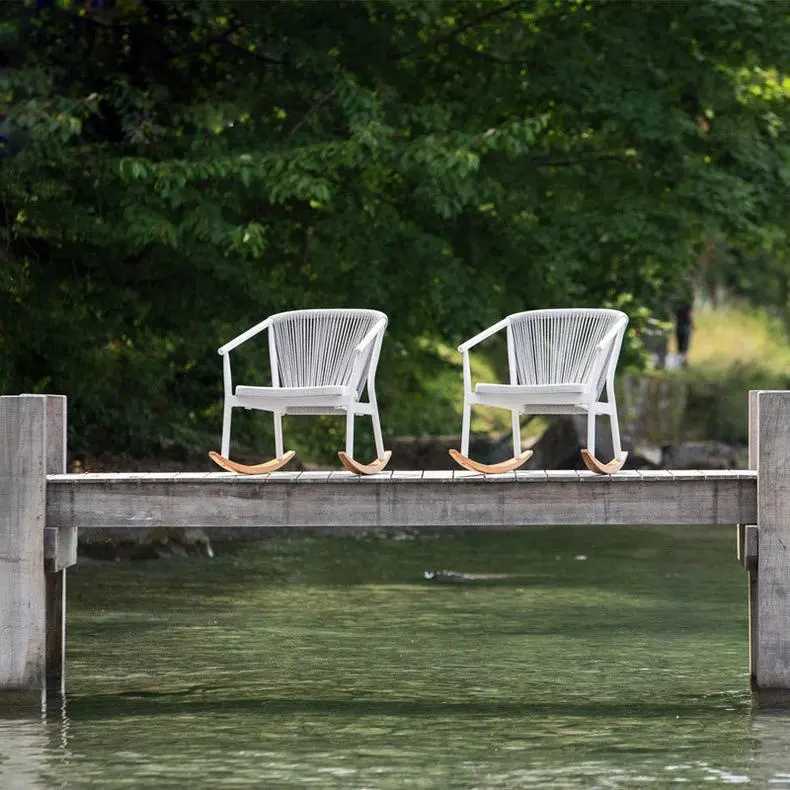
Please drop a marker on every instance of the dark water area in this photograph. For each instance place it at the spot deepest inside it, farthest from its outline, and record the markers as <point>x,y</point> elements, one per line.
<point>574,658</point>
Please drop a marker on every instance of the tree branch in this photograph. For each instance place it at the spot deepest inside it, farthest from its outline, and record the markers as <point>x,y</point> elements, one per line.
<point>317,106</point>
<point>545,161</point>
<point>489,57</point>
<point>423,49</point>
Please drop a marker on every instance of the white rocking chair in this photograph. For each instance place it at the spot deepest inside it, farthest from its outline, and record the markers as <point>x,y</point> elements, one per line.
<point>321,363</point>
<point>559,362</point>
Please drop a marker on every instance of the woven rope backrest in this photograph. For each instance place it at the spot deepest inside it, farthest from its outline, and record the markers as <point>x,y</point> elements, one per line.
<point>558,346</point>
<point>316,347</point>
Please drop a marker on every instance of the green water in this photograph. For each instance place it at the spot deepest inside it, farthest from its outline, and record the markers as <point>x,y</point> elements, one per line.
<point>607,658</point>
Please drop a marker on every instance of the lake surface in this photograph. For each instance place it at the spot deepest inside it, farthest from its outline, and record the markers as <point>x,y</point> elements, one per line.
<point>602,658</point>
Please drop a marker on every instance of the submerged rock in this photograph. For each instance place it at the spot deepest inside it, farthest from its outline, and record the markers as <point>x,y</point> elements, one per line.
<point>168,543</point>
<point>456,576</point>
<point>157,543</point>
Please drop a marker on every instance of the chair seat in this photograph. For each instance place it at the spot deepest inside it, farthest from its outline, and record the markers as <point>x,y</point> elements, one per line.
<point>292,393</point>
<point>531,390</point>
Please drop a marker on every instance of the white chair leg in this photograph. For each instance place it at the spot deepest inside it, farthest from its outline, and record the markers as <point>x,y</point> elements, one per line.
<point>515,419</point>
<point>278,435</point>
<point>379,439</point>
<point>350,433</point>
<point>591,432</point>
<point>226,416</point>
<point>465,425</point>
<point>616,446</point>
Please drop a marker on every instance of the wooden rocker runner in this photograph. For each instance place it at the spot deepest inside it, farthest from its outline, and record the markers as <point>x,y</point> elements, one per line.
<point>256,469</point>
<point>490,469</point>
<point>560,362</point>
<point>594,465</point>
<point>364,469</point>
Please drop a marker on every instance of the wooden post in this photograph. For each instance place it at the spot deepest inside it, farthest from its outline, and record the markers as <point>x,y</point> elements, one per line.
<point>754,428</point>
<point>23,454</point>
<point>771,669</point>
<point>747,533</point>
<point>55,575</point>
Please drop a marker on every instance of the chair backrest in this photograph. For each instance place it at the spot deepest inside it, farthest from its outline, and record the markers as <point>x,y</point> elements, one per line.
<point>559,346</point>
<point>313,348</point>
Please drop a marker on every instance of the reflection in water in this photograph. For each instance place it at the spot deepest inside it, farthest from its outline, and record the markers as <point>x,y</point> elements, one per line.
<point>570,659</point>
<point>23,753</point>
<point>33,750</point>
<point>771,734</point>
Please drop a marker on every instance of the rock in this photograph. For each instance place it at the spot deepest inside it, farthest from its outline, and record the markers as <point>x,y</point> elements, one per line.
<point>558,448</point>
<point>166,543</point>
<point>652,408</point>
<point>109,548</point>
<point>649,456</point>
<point>158,543</point>
<point>701,455</point>
<point>431,452</point>
<point>445,576</point>
<point>454,577</point>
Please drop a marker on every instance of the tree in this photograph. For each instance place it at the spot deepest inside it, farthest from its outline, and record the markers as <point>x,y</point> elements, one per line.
<point>182,168</point>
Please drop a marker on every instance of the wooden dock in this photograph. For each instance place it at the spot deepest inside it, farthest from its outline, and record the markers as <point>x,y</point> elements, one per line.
<point>420,500</point>
<point>46,508</point>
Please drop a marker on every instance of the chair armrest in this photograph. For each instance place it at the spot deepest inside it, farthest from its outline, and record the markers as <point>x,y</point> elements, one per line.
<point>464,349</point>
<point>599,354</point>
<point>370,336</point>
<point>608,338</point>
<point>358,370</point>
<point>242,338</point>
<point>492,330</point>
<point>606,341</point>
<point>227,383</point>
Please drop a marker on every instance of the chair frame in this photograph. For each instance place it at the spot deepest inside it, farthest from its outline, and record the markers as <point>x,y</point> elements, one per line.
<point>351,405</point>
<point>606,351</point>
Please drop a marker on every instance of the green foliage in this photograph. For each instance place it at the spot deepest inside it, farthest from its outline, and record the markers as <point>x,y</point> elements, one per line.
<point>178,169</point>
<point>734,348</point>
<point>758,277</point>
<point>717,400</point>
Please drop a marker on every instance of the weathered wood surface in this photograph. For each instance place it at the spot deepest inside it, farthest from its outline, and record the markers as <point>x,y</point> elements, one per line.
<point>748,545</point>
<point>60,546</point>
<point>56,632</point>
<point>417,499</point>
<point>754,428</point>
<point>58,557</point>
<point>22,587</point>
<point>773,521</point>
<point>751,529</point>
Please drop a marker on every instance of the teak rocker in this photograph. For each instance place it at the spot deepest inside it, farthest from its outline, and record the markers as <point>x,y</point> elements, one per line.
<point>255,469</point>
<point>560,361</point>
<point>491,469</point>
<point>322,361</point>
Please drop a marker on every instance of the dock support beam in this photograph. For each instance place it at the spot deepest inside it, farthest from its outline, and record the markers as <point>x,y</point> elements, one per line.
<point>23,459</point>
<point>64,555</point>
<point>770,617</point>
